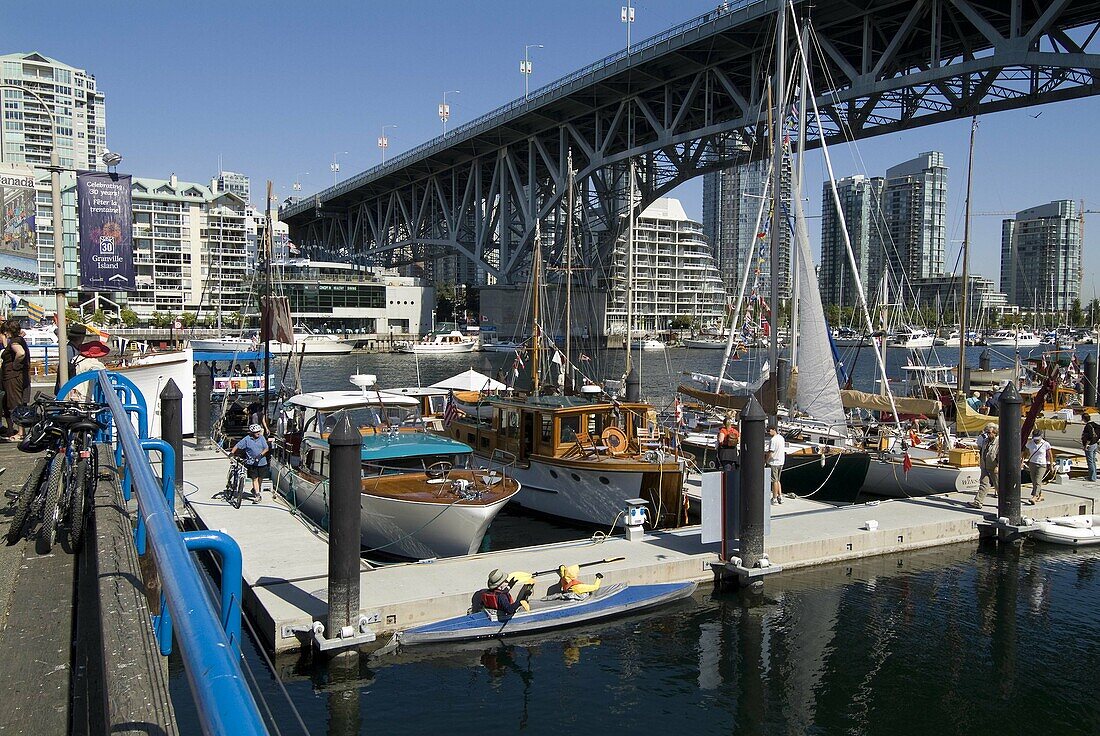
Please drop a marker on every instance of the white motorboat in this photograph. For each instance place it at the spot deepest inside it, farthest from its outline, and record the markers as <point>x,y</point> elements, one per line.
<point>1013,339</point>
<point>1075,531</point>
<point>501,346</point>
<point>421,495</point>
<point>846,337</point>
<point>440,343</point>
<point>647,343</point>
<point>311,344</point>
<point>911,338</point>
<point>705,343</point>
<point>226,344</point>
<point>42,342</point>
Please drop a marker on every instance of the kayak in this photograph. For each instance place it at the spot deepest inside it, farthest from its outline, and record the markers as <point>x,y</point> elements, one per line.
<point>1076,531</point>
<point>548,613</point>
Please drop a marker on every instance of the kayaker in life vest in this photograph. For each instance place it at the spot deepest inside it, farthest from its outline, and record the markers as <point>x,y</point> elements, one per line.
<point>569,580</point>
<point>497,596</point>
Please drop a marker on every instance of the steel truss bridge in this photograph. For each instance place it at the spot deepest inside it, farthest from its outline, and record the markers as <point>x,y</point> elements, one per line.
<point>688,101</point>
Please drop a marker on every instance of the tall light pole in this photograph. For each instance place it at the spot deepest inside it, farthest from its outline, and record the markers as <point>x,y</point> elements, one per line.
<point>525,67</point>
<point>383,141</point>
<point>58,235</point>
<point>627,16</point>
<point>445,109</point>
<point>297,186</point>
<point>334,167</point>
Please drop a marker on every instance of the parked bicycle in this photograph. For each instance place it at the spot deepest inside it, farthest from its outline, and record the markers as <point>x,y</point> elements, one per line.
<point>235,482</point>
<point>59,489</point>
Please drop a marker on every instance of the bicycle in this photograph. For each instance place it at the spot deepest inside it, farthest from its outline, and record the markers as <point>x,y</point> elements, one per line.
<point>235,482</point>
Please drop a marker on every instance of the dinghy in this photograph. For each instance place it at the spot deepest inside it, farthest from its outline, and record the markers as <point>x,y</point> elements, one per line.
<point>552,612</point>
<point>1076,531</point>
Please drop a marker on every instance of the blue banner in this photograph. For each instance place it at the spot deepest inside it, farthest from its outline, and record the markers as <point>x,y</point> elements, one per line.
<point>106,231</point>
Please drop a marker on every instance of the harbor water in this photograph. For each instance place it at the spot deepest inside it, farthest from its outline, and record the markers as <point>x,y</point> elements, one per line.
<point>956,640</point>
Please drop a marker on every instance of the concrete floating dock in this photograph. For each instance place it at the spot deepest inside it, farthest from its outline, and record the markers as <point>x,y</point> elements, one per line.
<point>286,560</point>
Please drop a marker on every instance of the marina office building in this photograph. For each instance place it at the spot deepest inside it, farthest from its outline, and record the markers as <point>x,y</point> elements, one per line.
<point>1041,251</point>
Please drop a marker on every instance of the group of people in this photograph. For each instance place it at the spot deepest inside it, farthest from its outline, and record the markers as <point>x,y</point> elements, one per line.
<point>729,453</point>
<point>498,593</point>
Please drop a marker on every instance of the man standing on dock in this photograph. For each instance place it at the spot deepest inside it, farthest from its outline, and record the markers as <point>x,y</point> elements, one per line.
<point>1090,435</point>
<point>777,454</point>
<point>255,449</point>
<point>987,463</point>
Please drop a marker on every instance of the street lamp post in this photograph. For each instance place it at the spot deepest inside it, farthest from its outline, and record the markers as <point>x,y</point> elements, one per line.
<point>627,16</point>
<point>297,186</point>
<point>445,109</point>
<point>383,141</point>
<point>58,235</point>
<point>525,67</point>
<point>335,165</point>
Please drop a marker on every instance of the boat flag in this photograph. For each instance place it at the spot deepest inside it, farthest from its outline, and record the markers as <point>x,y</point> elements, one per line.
<point>13,300</point>
<point>35,311</point>
<point>557,357</point>
<point>678,412</point>
<point>450,412</point>
<point>907,463</point>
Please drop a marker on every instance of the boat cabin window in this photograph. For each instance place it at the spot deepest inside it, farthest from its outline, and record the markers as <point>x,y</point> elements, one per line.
<point>437,404</point>
<point>568,428</point>
<point>547,432</point>
<point>510,418</point>
<point>406,464</point>
<point>317,462</point>
<point>596,424</point>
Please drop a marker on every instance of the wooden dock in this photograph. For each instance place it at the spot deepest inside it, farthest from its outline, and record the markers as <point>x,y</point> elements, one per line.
<point>286,560</point>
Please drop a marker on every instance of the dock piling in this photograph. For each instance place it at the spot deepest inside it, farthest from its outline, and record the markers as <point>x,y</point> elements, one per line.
<point>204,390</point>
<point>1009,525</point>
<point>171,424</point>
<point>751,546</point>
<point>984,360</point>
<point>1090,380</point>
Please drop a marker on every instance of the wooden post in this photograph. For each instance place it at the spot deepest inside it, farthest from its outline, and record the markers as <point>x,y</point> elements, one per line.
<point>204,388</point>
<point>752,484</point>
<point>171,425</point>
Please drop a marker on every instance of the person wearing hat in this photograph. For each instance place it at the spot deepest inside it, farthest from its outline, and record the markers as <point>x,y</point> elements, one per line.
<point>1090,435</point>
<point>497,595</point>
<point>729,440</point>
<point>569,580</point>
<point>75,334</point>
<point>15,372</point>
<point>254,448</point>
<point>987,463</point>
<point>1040,457</point>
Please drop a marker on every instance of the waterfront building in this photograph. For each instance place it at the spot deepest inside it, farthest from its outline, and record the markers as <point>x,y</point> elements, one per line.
<point>239,184</point>
<point>942,293</point>
<point>731,202</point>
<point>675,274</point>
<point>1041,257</point>
<point>914,200</point>
<point>860,198</point>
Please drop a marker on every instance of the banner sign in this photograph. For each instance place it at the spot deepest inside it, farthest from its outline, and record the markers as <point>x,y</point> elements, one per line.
<point>18,247</point>
<point>106,231</point>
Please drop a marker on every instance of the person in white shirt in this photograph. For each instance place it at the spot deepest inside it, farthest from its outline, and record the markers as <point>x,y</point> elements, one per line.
<point>1039,456</point>
<point>777,453</point>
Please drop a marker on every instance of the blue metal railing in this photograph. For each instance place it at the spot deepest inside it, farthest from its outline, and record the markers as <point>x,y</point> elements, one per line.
<point>536,98</point>
<point>208,643</point>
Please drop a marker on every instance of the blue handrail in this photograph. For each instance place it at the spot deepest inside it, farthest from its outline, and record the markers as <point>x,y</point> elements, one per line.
<point>222,698</point>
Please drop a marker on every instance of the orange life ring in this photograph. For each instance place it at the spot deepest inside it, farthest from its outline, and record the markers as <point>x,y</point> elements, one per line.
<point>614,439</point>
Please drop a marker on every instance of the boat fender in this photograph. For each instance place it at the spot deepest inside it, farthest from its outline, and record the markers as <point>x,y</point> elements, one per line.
<point>870,525</point>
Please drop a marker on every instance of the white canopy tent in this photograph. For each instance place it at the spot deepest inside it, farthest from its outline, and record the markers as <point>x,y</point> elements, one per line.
<point>470,380</point>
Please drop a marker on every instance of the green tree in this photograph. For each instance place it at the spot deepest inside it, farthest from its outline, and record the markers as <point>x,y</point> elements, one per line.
<point>129,317</point>
<point>188,319</point>
<point>99,317</point>
<point>71,315</point>
<point>1076,314</point>
<point>680,322</point>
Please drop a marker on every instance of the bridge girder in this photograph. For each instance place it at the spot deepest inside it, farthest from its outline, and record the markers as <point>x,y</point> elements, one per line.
<point>698,103</point>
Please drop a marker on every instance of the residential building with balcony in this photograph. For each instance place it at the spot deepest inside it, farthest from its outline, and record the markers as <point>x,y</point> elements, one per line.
<point>1041,257</point>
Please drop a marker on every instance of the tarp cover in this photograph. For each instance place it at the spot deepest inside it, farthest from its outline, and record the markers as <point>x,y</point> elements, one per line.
<point>471,380</point>
<point>876,402</point>
<point>725,401</point>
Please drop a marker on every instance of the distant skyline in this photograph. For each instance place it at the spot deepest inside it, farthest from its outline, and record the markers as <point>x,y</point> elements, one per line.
<point>274,93</point>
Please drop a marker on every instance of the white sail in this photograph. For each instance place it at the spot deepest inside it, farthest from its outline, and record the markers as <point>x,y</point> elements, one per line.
<point>817,393</point>
<point>731,386</point>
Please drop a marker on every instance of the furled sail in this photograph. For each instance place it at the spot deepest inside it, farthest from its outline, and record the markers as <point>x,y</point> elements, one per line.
<point>817,392</point>
<point>731,386</point>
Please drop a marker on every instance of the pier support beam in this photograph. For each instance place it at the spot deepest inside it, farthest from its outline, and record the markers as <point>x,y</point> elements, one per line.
<point>1090,380</point>
<point>344,627</point>
<point>204,388</point>
<point>171,425</point>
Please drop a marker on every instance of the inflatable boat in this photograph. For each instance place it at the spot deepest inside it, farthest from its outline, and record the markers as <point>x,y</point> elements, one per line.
<point>1076,531</point>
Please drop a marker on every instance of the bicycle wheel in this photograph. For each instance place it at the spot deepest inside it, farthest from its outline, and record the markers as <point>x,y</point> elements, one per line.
<point>51,509</point>
<point>23,504</point>
<point>235,490</point>
<point>78,502</point>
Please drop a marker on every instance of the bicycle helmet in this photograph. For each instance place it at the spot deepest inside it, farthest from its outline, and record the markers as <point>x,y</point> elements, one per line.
<point>36,439</point>
<point>26,415</point>
<point>254,428</point>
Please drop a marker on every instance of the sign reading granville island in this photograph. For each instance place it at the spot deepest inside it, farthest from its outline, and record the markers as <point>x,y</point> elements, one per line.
<point>106,231</point>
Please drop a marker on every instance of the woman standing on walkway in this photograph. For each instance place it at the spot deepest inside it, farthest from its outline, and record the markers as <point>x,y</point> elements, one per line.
<point>15,372</point>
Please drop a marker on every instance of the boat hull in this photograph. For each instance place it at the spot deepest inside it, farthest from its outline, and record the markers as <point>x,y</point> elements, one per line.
<point>888,477</point>
<point>704,344</point>
<point>310,347</point>
<point>609,602</point>
<point>222,346</point>
<point>401,528</point>
<point>1074,531</point>
<point>839,478</point>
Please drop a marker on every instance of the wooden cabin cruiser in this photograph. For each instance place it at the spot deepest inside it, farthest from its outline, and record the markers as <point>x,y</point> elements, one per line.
<point>422,496</point>
<point>438,343</point>
<point>577,458</point>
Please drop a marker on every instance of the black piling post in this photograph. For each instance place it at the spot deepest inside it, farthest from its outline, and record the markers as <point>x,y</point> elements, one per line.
<point>171,425</point>
<point>752,483</point>
<point>345,488</point>
<point>633,385</point>
<point>1009,421</point>
<point>966,381</point>
<point>984,360</point>
<point>1090,380</point>
<point>204,389</point>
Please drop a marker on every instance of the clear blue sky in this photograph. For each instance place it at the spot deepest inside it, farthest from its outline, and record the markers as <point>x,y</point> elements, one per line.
<point>276,88</point>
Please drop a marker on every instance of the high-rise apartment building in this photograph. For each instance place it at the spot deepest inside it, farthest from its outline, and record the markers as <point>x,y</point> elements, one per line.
<point>239,184</point>
<point>78,128</point>
<point>1041,257</point>
<point>914,199</point>
<point>860,199</point>
<point>674,272</point>
<point>731,204</point>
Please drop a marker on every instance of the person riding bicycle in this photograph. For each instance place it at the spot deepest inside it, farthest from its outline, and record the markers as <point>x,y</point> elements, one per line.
<point>254,449</point>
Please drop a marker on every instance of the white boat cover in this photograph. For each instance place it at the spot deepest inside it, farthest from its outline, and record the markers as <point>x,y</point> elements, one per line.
<point>470,380</point>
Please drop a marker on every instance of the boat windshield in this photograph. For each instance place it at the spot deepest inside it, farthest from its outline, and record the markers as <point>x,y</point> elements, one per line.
<point>440,463</point>
<point>374,417</point>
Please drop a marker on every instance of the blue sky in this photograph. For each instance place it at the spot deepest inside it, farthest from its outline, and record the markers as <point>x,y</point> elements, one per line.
<point>276,88</point>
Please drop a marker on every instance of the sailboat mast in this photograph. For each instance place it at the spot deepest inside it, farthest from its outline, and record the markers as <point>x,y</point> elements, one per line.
<point>536,334</point>
<point>802,87</point>
<point>777,204</point>
<point>966,263</point>
<point>629,269</point>
<point>568,366</point>
<point>265,313</point>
